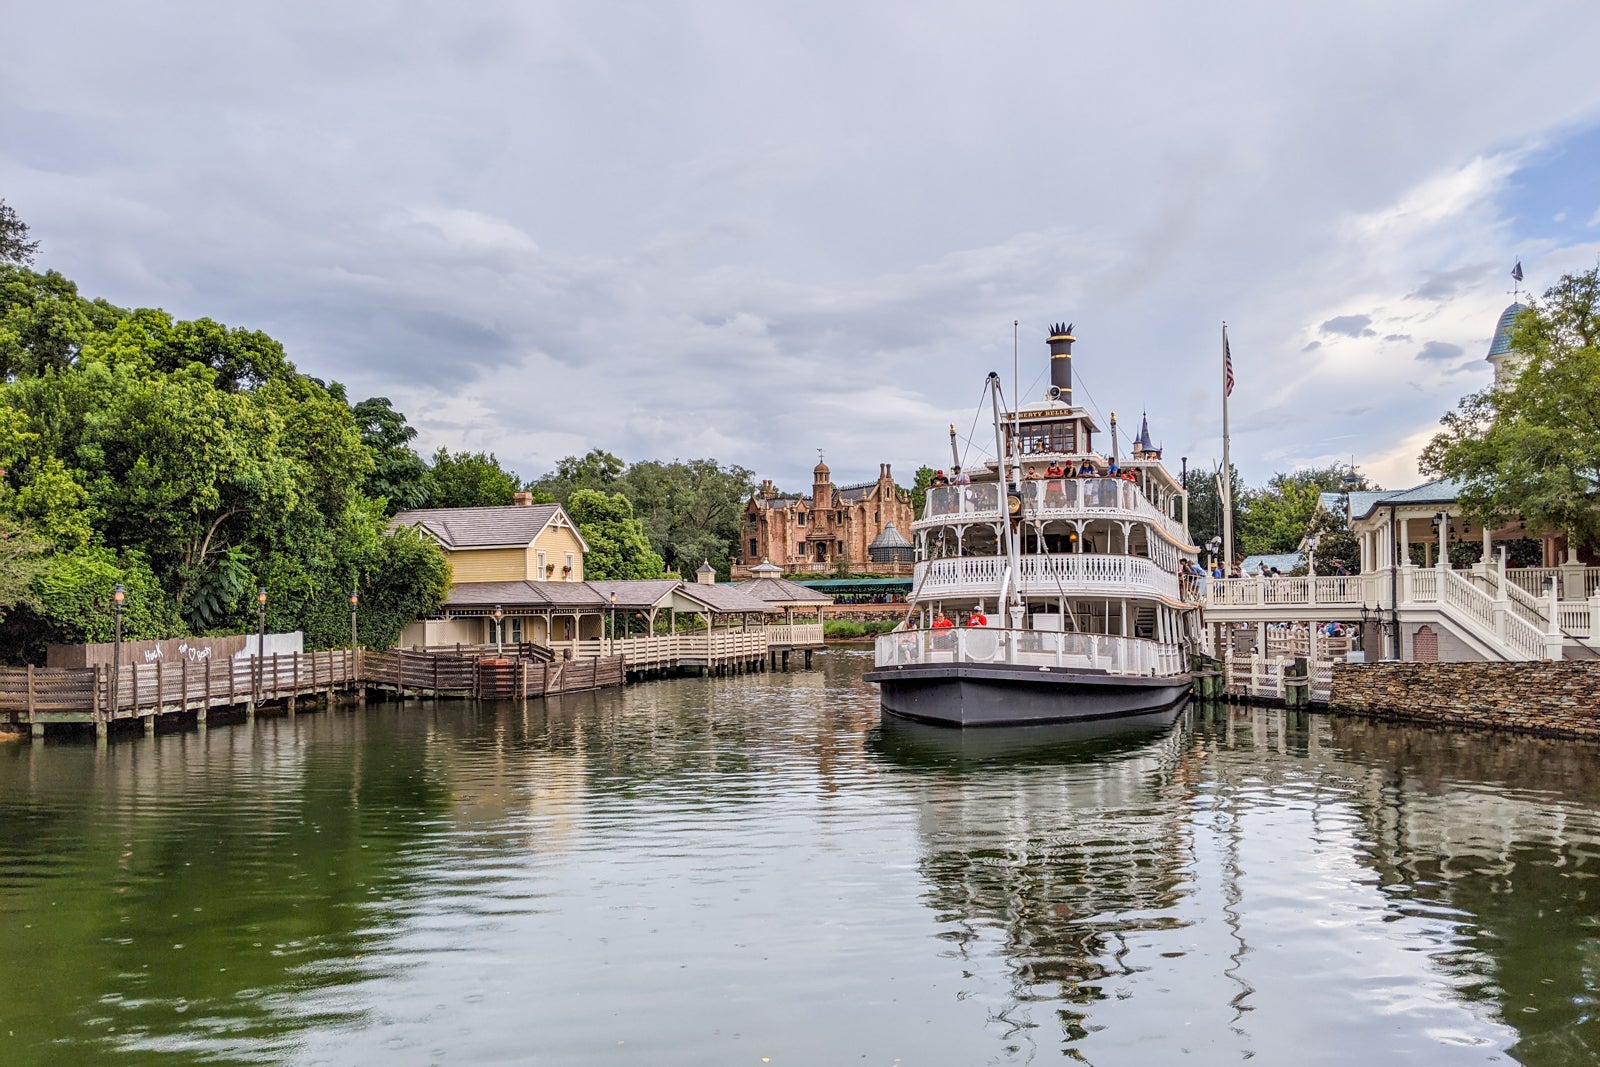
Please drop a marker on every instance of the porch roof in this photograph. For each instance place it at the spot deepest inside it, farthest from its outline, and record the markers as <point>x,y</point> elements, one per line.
<point>541,596</point>
<point>638,595</point>
<point>1438,491</point>
<point>780,592</point>
<point>722,599</point>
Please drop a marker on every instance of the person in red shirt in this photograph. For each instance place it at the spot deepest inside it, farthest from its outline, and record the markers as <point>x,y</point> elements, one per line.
<point>942,623</point>
<point>978,618</point>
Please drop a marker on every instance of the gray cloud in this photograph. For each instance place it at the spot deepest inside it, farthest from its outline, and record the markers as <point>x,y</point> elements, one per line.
<point>1349,326</point>
<point>1440,350</point>
<point>1439,285</point>
<point>724,231</point>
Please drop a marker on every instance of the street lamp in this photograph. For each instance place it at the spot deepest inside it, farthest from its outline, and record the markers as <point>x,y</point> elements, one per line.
<point>613,622</point>
<point>355,599</point>
<point>117,595</point>
<point>1311,556</point>
<point>1215,548</point>
<point>261,636</point>
<point>499,631</point>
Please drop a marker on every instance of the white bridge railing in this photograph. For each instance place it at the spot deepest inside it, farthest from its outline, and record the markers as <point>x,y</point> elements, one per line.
<point>1130,656</point>
<point>1069,574</point>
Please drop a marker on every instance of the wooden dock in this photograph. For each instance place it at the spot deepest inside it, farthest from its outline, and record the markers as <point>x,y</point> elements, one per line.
<point>38,697</point>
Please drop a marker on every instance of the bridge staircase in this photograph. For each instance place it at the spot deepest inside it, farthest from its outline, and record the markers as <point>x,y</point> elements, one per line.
<point>1489,609</point>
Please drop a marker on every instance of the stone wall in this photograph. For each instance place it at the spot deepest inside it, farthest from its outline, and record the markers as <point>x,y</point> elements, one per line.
<point>1560,699</point>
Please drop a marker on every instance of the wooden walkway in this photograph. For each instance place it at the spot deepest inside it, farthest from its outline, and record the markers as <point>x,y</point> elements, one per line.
<point>37,697</point>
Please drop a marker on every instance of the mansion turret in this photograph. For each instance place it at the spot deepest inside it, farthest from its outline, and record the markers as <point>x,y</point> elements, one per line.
<point>833,528</point>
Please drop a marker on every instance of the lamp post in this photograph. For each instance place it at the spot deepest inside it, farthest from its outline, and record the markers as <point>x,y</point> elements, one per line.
<point>261,636</point>
<point>499,631</point>
<point>355,599</point>
<point>117,595</point>
<point>1311,556</point>
<point>613,622</point>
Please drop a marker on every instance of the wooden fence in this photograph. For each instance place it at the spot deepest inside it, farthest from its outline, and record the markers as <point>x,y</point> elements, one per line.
<point>37,696</point>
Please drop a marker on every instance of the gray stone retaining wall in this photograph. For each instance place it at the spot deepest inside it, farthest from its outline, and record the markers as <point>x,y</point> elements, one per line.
<point>1560,699</point>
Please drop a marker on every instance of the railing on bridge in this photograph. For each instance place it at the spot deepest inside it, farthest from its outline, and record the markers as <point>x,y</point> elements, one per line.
<point>1035,648</point>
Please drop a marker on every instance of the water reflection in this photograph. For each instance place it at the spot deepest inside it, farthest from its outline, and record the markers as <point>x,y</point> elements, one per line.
<point>719,870</point>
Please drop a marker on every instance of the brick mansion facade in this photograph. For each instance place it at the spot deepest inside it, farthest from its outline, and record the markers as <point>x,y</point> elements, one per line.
<point>834,526</point>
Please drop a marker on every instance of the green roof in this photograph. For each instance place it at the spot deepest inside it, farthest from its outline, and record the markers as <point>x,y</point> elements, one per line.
<point>856,583</point>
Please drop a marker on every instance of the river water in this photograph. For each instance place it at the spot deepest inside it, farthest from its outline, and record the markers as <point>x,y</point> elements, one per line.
<point>757,871</point>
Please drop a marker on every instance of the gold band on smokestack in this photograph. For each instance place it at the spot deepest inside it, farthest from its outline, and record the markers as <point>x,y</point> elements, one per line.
<point>1060,340</point>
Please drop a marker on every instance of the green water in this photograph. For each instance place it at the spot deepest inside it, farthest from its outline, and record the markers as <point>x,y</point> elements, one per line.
<point>755,870</point>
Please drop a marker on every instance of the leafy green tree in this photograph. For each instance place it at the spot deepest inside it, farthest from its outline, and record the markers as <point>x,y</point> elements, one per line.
<point>399,475</point>
<point>470,480</point>
<point>1529,446</point>
<point>691,509</point>
<point>44,322</point>
<point>595,469</point>
<point>14,244</point>
<point>919,489</point>
<point>1205,505</point>
<point>22,559</point>
<point>74,598</point>
<point>618,547</point>
<point>1275,518</point>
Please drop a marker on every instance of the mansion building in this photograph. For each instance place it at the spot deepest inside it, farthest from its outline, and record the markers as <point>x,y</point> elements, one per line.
<point>856,528</point>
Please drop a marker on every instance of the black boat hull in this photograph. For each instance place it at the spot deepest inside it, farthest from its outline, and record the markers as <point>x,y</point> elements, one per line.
<point>999,694</point>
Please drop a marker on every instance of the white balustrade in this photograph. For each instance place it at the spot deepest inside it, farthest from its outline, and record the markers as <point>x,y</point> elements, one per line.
<point>1128,656</point>
<point>1046,500</point>
<point>1084,573</point>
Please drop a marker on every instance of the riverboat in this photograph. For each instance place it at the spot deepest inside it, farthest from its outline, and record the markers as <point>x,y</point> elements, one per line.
<point>1084,557</point>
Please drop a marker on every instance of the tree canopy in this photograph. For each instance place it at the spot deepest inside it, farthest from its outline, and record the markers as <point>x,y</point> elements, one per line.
<point>191,463</point>
<point>1529,445</point>
<point>618,548</point>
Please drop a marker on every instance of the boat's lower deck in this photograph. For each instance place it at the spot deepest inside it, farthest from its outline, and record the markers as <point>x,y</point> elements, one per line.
<point>1000,694</point>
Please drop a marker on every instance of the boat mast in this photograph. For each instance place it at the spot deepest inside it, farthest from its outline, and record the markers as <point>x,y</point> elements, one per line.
<point>1013,493</point>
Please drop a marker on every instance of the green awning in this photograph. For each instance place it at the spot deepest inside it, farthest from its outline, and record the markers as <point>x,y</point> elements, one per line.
<point>825,584</point>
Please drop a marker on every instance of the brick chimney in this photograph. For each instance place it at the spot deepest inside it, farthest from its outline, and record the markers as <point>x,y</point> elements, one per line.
<point>523,499</point>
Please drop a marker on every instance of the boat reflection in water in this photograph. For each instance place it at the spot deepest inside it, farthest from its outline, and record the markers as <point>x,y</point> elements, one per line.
<point>1045,850</point>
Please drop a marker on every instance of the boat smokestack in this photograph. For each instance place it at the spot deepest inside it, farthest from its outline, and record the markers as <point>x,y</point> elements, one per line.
<point>1060,341</point>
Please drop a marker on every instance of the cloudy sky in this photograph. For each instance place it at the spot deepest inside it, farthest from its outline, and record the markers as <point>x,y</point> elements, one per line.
<point>751,231</point>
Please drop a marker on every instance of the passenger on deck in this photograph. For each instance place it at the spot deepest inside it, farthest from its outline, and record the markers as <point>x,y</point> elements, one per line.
<point>978,618</point>
<point>1054,471</point>
<point>942,622</point>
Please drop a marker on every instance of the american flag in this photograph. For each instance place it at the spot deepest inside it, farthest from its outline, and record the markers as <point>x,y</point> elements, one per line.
<point>1227,365</point>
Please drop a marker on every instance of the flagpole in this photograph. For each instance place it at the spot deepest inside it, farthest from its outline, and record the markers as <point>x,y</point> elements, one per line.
<point>1227,466</point>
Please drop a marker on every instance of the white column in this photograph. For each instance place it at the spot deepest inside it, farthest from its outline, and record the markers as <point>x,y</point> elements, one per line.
<point>1405,543</point>
<point>1444,543</point>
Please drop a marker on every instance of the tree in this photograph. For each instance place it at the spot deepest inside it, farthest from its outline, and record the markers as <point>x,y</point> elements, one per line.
<point>919,489</point>
<point>1205,505</point>
<point>595,469</point>
<point>1529,446</point>
<point>1275,518</point>
<point>398,475</point>
<point>618,548</point>
<point>470,480</point>
<point>691,509</point>
<point>14,244</point>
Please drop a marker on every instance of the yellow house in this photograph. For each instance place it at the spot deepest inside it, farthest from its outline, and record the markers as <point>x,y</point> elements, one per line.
<point>525,542</point>
<point>526,558</point>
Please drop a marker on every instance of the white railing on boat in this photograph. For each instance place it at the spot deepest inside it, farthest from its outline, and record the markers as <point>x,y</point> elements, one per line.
<point>1047,500</point>
<point>1068,574</point>
<point>1130,656</point>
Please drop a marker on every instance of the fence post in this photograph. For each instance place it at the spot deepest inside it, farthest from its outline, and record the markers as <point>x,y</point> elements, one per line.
<point>34,728</point>
<point>205,702</point>
<point>161,698</point>
<point>294,681</point>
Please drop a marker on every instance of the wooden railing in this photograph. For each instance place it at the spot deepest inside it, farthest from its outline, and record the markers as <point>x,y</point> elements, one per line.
<point>139,689</point>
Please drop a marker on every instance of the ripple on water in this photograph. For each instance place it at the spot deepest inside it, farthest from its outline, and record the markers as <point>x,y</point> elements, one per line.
<point>731,870</point>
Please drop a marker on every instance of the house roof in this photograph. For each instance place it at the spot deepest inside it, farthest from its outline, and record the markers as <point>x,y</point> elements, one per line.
<point>1284,561</point>
<point>781,592</point>
<point>1438,491</point>
<point>723,598</point>
<point>483,527</point>
<point>641,595</point>
<point>541,596</point>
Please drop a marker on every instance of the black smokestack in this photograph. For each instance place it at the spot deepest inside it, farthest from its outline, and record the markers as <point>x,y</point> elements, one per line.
<point>1061,363</point>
